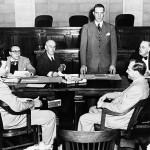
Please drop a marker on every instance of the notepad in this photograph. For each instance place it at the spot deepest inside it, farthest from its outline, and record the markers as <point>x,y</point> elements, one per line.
<point>36,85</point>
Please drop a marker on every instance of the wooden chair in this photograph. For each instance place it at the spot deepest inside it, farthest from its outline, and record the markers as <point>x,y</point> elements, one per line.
<point>129,135</point>
<point>96,140</point>
<point>19,131</point>
<point>43,21</point>
<point>78,20</point>
<point>124,20</point>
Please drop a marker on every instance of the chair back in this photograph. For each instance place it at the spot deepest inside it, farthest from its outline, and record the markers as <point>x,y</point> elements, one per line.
<point>138,110</point>
<point>124,20</point>
<point>1,131</point>
<point>96,140</point>
<point>43,21</point>
<point>78,20</point>
<point>18,131</point>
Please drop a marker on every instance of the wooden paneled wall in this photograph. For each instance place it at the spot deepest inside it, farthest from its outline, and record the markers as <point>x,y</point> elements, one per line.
<point>32,41</point>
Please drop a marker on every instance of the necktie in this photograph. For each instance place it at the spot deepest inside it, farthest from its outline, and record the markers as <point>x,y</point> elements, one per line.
<point>14,62</point>
<point>99,28</point>
<point>52,58</point>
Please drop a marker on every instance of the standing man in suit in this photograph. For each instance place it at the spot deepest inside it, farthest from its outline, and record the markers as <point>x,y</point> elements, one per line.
<point>98,49</point>
<point>16,62</point>
<point>121,101</point>
<point>48,64</point>
<point>45,118</point>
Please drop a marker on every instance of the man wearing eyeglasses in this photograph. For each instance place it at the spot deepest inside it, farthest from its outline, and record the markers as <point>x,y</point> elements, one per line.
<point>16,62</point>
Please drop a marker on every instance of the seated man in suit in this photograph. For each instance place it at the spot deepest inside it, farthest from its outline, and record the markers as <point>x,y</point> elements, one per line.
<point>48,64</point>
<point>143,54</point>
<point>16,62</point>
<point>121,101</point>
<point>45,118</point>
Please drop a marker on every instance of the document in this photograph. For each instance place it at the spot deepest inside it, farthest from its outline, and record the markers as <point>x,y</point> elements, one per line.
<point>41,79</point>
<point>73,78</point>
<point>101,77</point>
<point>21,74</point>
<point>36,85</point>
<point>11,80</point>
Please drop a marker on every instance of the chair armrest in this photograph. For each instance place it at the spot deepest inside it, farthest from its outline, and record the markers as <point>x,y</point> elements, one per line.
<point>27,112</point>
<point>109,112</point>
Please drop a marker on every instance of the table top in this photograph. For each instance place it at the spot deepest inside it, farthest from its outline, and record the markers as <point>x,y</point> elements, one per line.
<point>90,88</point>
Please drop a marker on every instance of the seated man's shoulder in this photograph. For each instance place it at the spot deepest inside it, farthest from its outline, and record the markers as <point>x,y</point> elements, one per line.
<point>24,58</point>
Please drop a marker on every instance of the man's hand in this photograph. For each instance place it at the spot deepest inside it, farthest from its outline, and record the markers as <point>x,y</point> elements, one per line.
<point>52,74</point>
<point>37,102</point>
<point>147,73</point>
<point>62,67</point>
<point>93,109</point>
<point>83,70</point>
<point>112,69</point>
<point>102,98</point>
<point>28,74</point>
<point>99,104</point>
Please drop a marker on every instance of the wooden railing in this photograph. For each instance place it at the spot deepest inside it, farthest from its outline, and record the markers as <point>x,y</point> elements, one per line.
<point>67,39</point>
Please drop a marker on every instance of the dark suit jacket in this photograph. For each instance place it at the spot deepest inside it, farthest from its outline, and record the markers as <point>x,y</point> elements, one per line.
<point>136,55</point>
<point>98,51</point>
<point>45,65</point>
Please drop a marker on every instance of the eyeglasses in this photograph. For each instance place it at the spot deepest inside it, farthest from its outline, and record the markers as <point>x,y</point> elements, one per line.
<point>16,52</point>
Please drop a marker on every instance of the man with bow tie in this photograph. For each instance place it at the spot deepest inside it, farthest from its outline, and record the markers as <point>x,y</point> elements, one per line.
<point>143,54</point>
<point>16,62</point>
<point>98,48</point>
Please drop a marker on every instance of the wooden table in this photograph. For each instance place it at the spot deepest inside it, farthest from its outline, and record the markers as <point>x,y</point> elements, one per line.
<point>91,88</point>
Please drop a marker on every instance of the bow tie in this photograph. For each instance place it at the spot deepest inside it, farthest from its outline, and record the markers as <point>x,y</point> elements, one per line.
<point>14,62</point>
<point>145,58</point>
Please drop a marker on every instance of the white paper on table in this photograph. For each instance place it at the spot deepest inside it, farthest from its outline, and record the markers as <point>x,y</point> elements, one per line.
<point>35,85</point>
<point>21,73</point>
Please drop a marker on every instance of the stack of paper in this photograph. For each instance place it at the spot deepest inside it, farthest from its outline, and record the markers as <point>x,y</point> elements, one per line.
<point>71,79</point>
<point>11,80</point>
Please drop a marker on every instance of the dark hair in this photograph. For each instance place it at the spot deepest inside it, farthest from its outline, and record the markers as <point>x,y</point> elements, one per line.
<point>98,5</point>
<point>139,66</point>
<point>13,46</point>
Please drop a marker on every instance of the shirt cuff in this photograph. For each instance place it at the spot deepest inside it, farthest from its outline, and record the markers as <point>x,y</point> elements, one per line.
<point>50,74</point>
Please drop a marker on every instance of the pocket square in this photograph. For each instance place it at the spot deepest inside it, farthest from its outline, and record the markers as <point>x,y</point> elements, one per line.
<point>108,34</point>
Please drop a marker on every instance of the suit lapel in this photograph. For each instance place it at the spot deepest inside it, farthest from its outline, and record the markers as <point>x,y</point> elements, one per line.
<point>103,33</point>
<point>93,29</point>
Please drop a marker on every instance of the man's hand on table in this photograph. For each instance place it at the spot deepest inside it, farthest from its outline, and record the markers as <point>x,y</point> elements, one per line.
<point>83,70</point>
<point>112,69</point>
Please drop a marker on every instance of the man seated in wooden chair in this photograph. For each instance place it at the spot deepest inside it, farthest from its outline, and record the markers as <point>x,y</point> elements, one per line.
<point>120,101</point>
<point>45,118</point>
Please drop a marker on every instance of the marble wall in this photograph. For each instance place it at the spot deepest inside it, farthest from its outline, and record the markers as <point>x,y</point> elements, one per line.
<point>61,10</point>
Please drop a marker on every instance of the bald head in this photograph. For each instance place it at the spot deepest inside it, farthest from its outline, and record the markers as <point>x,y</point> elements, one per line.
<point>144,48</point>
<point>50,42</point>
<point>50,47</point>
